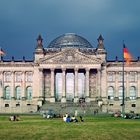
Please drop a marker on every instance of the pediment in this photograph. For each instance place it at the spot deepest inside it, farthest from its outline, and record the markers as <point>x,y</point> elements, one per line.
<point>70,56</point>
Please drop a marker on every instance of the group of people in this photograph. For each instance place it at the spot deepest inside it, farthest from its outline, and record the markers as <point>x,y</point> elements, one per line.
<point>67,118</point>
<point>127,115</point>
<point>14,118</point>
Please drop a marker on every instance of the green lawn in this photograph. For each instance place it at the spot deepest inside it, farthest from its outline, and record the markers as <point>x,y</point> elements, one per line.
<point>34,127</point>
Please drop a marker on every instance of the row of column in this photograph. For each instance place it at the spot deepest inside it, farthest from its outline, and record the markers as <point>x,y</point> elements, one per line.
<point>64,85</point>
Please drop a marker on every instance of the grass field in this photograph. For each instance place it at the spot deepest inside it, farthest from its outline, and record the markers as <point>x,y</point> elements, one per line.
<point>34,127</point>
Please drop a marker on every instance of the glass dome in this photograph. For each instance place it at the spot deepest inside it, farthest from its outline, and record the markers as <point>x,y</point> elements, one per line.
<point>70,40</point>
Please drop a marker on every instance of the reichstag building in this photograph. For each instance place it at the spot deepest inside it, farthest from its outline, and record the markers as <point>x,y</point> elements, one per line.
<point>69,70</point>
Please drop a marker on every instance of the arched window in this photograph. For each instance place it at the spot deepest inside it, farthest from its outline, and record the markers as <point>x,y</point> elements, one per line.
<point>7,93</point>
<point>132,92</point>
<point>110,93</point>
<point>120,92</point>
<point>29,93</point>
<point>18,93</point>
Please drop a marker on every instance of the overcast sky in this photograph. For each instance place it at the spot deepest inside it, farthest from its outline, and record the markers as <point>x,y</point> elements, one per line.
<point>22,20</point>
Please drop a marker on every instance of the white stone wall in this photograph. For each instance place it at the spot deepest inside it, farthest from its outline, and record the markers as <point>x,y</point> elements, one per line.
<point>60,60</point>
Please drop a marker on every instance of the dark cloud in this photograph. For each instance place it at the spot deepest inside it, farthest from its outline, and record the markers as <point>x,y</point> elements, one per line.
<point>22,21</point>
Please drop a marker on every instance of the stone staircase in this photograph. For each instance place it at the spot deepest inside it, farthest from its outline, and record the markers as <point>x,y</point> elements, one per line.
<point>71,108</point>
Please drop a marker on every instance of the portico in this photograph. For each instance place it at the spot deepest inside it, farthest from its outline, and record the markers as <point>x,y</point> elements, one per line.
<point>69,84</point>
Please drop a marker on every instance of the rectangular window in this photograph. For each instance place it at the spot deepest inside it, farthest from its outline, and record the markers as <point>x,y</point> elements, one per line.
<point>18,76</point>
<point>6,105</point>
<point>133,76</point>
<point>29,76</point>
<point>120,76</point>
<point>7,76</point>
<point>111,76</point>
<point>17,105</point>
<point>133,105</point>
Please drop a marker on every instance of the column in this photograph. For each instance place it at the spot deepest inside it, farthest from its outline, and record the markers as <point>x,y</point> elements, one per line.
<point>63,85</point>
<point>41,83</point>
<point>23,85</point>
<point>87,85</point>
<point>116,85</point>
<point>39,87</point>
<point>1,84</point>
<point>99,83</point>
<point>52,86</point>
<point>76,85</point>
<point>127,85</point>
<point>102,82</point>
<point>138,85</point>
<point>13,85</point>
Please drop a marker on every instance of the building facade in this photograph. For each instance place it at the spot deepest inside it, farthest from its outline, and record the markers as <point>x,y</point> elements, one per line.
<point>68,69</point>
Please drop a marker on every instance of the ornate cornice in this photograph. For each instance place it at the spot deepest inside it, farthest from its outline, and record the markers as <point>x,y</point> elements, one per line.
<point>16,64</point>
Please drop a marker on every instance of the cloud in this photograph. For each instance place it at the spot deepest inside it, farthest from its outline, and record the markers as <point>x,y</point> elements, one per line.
<point>24,20</point>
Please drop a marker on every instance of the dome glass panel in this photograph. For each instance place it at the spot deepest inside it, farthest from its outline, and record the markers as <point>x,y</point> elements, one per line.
<point>69,40</point>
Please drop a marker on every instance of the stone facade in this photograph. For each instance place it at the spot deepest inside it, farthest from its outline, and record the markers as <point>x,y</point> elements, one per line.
<point>67,73</point>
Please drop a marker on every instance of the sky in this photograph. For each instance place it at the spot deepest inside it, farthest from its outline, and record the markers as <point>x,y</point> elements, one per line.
<point>21,21</point>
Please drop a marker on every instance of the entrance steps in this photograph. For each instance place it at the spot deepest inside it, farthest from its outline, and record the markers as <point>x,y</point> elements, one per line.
<point>71,108</point>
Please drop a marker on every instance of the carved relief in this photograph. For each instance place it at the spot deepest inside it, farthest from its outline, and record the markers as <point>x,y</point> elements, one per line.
<point>71,56</point>
<point>93,84</point>
<point>47,84</point>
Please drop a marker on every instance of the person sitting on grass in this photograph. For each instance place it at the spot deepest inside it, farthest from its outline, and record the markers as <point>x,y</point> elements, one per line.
<point>68,119</point>
<point>18,118</point>
<point>73,119</point>
<point>11,118</point>
<point>66,115</point>
<point>64,118</point>
<point>81,119</point>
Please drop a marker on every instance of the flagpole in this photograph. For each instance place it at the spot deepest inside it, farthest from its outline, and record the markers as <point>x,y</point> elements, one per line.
<point>123,90</point>
<point>0,54</point>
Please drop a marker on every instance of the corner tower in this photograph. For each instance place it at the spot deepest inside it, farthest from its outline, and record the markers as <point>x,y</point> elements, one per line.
<point>39,50</point>
<point>100,48</point>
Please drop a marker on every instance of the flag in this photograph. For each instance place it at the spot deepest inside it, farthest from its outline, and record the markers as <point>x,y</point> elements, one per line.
<point>126,55</point>
<point>2,52</point>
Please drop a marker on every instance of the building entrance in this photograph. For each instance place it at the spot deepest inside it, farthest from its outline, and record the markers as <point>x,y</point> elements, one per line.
<point>69,86</point>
